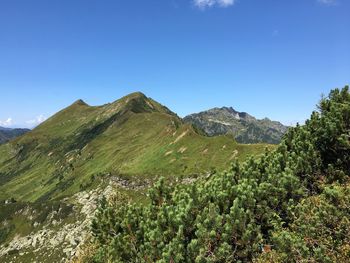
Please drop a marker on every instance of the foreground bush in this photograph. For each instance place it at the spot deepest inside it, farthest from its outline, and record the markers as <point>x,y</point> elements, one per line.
<point>289,205</point>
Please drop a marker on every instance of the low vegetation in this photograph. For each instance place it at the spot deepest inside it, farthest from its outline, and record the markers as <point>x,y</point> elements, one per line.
<point>291,204</point>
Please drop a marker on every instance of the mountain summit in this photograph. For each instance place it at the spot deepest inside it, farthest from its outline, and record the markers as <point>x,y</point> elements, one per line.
<point>244,127</point>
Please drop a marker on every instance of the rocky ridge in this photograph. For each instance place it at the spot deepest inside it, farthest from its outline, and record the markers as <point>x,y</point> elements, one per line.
<point>244,127</point>
<point>57,242</point>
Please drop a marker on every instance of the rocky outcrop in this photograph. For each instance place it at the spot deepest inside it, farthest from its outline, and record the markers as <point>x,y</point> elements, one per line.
<point>57,241</point>
<point>244,127</point>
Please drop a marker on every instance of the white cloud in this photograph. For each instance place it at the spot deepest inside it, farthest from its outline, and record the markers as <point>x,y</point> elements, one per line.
<point>39,119</point>
<point>226,3</point>
<point>294,123</point>
<point>202,4</point>
<point>327,2</point>
<point>6,123</point>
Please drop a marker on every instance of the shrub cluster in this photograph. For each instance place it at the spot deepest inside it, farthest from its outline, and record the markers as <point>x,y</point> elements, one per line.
<point>288,205</point>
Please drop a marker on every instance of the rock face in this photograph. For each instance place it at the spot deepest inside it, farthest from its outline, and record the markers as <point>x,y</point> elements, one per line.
<point>63,241</point>
<point>7,134</point>
<point>57,241</point>
<point>244,127</point>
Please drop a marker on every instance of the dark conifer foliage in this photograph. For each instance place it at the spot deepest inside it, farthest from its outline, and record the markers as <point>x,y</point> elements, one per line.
<point>289,205</point>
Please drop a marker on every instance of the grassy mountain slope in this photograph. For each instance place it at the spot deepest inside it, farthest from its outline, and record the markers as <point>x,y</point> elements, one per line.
<point>244,127</point>
<point>131,136</point>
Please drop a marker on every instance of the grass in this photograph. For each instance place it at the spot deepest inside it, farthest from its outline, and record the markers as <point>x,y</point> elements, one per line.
<point>134,136</point>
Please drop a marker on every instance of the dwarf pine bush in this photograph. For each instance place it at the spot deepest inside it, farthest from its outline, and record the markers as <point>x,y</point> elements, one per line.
<point>293,200</point>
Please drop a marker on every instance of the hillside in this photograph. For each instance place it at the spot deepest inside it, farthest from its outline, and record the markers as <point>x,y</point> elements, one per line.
<point>244,127</point>
<point>131,136</point>
<point>7,134</point>
<point>289,205</point>
<point>52,177</point>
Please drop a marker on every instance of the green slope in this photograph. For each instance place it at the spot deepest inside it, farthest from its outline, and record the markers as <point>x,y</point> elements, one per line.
<point>133,136</point>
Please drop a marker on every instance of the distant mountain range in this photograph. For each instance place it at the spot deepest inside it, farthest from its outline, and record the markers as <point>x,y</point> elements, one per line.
<point>7,134</point>
<point>244,127</point>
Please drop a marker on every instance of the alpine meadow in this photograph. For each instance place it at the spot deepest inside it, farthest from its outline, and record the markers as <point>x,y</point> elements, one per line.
<point>174,131</point>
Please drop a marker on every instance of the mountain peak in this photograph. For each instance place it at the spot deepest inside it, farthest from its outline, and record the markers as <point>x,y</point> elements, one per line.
<point>138,102</point>
<point>246,128</point>
<point>229,109</point>
<point>136,95</point>
<point>80,102</point>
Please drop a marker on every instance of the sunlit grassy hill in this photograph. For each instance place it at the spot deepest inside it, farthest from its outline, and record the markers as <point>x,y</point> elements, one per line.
<point>134,135</point>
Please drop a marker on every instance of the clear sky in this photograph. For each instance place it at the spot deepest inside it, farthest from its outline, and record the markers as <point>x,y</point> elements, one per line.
<point>267,57</point>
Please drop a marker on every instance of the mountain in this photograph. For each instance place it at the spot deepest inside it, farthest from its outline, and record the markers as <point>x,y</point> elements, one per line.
<point>244,127</point>
<point>52,177</point>
<point>7,134</point>
<point>133,136</point>
<point>288,205</point>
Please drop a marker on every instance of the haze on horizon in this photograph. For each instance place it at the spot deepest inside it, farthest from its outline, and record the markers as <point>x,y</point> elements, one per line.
<point>268,58</point>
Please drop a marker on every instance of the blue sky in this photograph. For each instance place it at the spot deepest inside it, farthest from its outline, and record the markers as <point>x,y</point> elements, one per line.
<point>267,57</point>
